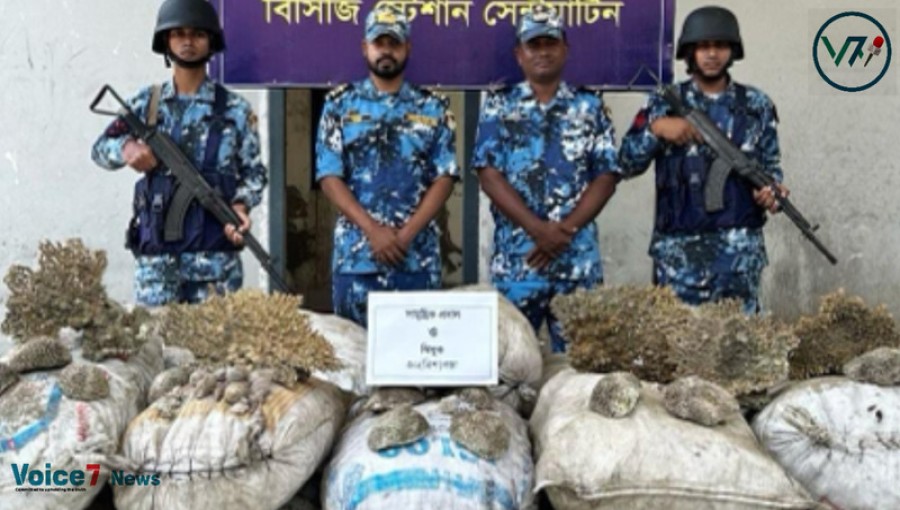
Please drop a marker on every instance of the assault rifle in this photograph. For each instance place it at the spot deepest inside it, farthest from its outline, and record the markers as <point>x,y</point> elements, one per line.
<point>191,184</point>
<point>729,158</point>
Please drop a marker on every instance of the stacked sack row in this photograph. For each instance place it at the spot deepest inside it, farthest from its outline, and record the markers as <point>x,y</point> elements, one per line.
<point>652,412</point>
<point>247,401</point>
<point>78,374</point>
<point>207,406</point>
<point>466,448</point>
<point>239,401</point>
<point>239,421</point>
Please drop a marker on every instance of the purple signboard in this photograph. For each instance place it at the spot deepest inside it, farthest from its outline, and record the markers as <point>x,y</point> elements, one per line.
<point>456,44</point>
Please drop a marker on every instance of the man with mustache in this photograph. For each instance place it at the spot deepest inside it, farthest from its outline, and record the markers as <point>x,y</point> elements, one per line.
<point>707,256</point>
<point>545,155</point>
<point>216,129</point>
<point>385,156</point>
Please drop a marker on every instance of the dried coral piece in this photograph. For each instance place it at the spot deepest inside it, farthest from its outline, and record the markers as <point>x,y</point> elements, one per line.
<point>466,400</point>
<point>202,383</point>
<point>385,399</point>
<point>65,290</point>
<point>203,387</point>
<point>843,329</point>
<point>236,391</point>
<point>170,404</point>
<point>42,353</point>
<point>199,375</point>
<point>451,404</point>
<point>615,395</point>
<point>743,354</point>
<point>8,377</point>
<point>252,330</point>
<point>479,399</point>
<point>649,332</point>
<point>481,432</point>
<point>881,367</point>
<point>244,392</point>
<point>80,381</point>
<point>236,374</point>
<point>115,332</point>
<point>261,385</point>
<point>177,356</point>
<point>623,328</point>
<point>240,407</point>
<point>397,427</point>
<point>699,401</point>
<point>166,381</point>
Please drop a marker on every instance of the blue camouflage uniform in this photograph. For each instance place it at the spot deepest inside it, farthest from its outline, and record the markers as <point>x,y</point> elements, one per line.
<point>707,256</point>
<point>389,148</point>
<point>184,272</point>
<point>549,154</point>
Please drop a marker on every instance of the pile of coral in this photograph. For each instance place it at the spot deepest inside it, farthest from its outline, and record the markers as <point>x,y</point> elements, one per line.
<point>844,328</point>
<point>77,374</point>
<point>833,434</point>
<point>240,344</point>
<point>240,397</point>
<point>252,330</point>
<point>65,293</point>
<point>649,332</point>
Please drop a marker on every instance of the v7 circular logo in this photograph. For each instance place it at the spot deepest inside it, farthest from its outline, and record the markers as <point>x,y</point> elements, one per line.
<point>844,48</point>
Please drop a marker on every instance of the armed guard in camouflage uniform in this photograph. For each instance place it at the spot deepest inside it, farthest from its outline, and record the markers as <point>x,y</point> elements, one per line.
<point>217,130</point>
<point>707,256</point>
<point>545,155</point>
<point>385,155</point>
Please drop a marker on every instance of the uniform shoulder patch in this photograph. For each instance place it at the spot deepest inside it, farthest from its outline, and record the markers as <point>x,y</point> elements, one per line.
<point>117,128</point>
<point>640,120</point>
<point>427,94</point>
<point>339,91</point>
<point>498,88</point>
<point>441,98</point>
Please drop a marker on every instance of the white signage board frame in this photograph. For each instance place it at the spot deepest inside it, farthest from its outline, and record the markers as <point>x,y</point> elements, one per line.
<point>444,338</point>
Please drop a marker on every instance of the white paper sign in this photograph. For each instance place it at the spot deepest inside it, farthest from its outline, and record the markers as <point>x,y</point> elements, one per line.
<point>432,339</point>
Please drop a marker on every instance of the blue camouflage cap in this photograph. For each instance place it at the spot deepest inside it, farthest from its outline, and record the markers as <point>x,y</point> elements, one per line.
<point>541,21</point>
<point>387,20</point>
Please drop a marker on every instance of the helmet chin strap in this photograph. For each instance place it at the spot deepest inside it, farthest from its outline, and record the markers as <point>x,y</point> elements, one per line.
<point>188,64</point>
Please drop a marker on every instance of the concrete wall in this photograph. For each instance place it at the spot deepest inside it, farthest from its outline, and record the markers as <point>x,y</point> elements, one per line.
<point>54,57</point>
<point>839,151</point>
